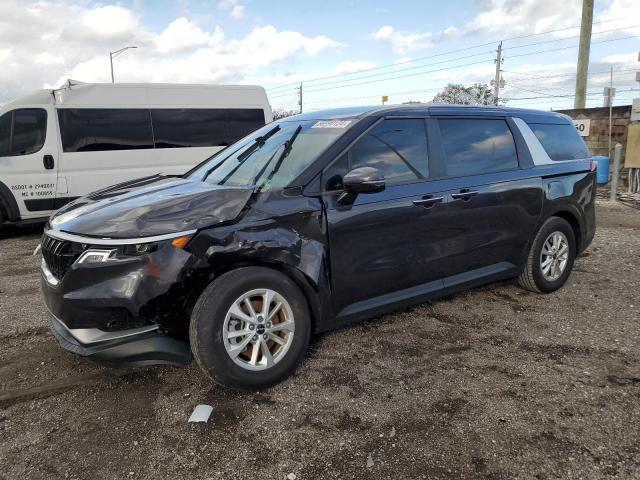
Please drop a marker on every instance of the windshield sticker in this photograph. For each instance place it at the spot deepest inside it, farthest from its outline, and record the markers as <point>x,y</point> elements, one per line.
<point>332,124</point>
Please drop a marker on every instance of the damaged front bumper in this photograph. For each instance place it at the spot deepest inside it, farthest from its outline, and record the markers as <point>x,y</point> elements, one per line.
<point>138,346</point>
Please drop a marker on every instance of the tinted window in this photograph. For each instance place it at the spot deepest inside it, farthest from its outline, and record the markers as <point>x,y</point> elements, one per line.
<point>243,121</point>
<point>29,130</point>
<point>190,127</point>
<point>398,148</point>
<point>476,146</point>
<point>95,129</point>
<point>5,134</point>
<point>561,142</point>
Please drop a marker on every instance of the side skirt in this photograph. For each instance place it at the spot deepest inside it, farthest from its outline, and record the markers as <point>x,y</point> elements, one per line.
<point>421,293</point>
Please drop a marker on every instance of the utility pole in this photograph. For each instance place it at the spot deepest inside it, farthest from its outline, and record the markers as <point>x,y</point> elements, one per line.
<point>583,54</point>
<point>300,97</point>
<point>610,99</point>
<point>498,82</point>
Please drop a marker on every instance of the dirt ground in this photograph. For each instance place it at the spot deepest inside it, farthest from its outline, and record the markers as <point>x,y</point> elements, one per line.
<point>494,383</point>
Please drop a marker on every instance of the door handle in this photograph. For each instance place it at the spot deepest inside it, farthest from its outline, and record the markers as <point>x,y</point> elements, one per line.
<point>48,162</point>
<point>463,195</point>
<point>428,202</point>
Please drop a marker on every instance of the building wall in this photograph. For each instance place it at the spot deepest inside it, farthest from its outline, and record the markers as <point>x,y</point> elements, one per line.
<point>598,138</point>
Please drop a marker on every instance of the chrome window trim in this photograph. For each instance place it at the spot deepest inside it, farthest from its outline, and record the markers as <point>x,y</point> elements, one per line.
<point>114,241</point>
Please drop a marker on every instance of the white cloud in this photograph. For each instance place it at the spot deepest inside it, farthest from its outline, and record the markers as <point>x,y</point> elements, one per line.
<point>237,12</point>
<point>44,43</point>
<point>350,66</point>
<point>403,42</point>
<point>621,58</point>
<point>525,16</point>
<point>236,8</point>
<point>449,32</point>
<point>620,13</point>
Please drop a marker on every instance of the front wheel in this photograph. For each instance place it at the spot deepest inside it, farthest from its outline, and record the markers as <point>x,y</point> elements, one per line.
<point>250,328</point>
<point>551,257</point>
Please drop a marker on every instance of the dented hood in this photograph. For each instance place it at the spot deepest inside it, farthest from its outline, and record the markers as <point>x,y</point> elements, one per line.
<point>151,206</point>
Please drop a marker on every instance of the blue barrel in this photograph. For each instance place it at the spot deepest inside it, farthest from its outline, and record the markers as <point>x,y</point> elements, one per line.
<point>602,173</point>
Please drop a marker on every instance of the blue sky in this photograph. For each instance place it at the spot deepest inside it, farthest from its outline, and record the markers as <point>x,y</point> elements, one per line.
<point>400,49</point>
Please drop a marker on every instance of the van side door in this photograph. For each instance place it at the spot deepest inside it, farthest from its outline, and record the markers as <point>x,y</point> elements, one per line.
<point>495,200</point>
<point>29,160</point>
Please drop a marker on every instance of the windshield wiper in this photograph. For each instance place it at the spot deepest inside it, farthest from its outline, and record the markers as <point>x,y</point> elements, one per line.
<point>287,149</point>
<point>257,143</point>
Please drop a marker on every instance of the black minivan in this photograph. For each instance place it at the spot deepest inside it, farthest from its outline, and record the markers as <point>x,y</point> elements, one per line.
<point>312,222</point>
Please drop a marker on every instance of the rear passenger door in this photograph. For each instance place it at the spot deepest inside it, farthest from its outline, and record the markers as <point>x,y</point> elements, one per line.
<point>493,205</point>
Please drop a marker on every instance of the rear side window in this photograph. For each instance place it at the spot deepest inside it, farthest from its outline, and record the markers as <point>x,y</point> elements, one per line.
<point>22,131</point>
<point>561,142</point>
<point>99,129</point>
<point>190,127</point>
<point>477,146</point>
<point>396,147</point>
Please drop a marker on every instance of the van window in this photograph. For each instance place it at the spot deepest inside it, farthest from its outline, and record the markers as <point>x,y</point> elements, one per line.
<point>476,146</point>
<point>243,121</point>
<point>99,129</point>
<point>561,142</point>
<point>29,130</point>
<point>182,127</point>
<point>22,131</point>
<point>396,147</point>
<point>5,134</point>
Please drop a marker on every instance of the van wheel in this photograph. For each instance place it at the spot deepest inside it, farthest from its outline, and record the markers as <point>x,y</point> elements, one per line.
<point>250,328</point>
<point>551,257</point>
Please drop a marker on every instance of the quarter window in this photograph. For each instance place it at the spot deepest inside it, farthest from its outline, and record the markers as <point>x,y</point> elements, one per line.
<point>477,146</point>
<point>396,147</point>
<point>99,129</point>
<point>561,142</point>
<point>22,131</point>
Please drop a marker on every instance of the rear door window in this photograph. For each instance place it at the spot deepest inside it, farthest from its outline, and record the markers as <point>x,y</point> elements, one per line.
<point>561,141</point>
<point>243,121</point>
<point>396,147</point>
<point>475,146</point>
<point>190,127</point>
<point>100,129</point>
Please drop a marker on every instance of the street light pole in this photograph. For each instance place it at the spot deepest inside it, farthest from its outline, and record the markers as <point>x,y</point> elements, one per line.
<point>112,55</point>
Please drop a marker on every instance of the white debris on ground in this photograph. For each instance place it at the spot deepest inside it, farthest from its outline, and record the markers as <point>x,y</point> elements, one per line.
<point>201,413</point>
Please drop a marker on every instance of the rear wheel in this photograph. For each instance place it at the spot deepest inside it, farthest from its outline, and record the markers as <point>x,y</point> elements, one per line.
<point>551,257</point>
<point>250,328</point>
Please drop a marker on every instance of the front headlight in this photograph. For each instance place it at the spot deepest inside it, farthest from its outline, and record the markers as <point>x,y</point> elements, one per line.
<point>128,251</point>
<point>96,256</point>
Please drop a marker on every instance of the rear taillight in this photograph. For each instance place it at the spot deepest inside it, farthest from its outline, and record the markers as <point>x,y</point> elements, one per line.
<point>594,165</point>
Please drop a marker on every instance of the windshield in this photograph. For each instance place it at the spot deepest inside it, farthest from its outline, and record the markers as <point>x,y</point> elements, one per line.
<point>270,158</point>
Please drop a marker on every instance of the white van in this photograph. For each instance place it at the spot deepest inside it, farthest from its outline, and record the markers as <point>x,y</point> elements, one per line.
<point>57,145</point>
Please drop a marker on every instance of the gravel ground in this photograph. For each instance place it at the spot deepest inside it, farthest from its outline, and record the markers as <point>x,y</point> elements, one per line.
<point>492,383</point>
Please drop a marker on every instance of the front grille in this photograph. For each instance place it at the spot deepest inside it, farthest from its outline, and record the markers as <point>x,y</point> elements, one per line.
<point>59,255</point>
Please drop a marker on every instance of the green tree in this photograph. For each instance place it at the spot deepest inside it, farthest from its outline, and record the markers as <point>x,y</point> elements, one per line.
<point>458,94</point>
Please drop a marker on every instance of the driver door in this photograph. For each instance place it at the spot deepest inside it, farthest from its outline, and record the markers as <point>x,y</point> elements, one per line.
<point>28,159</point>
<point>385,243</point>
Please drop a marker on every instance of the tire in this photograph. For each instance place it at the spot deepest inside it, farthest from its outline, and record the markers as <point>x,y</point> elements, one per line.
<point>533,277</point>
<point>216,316</point>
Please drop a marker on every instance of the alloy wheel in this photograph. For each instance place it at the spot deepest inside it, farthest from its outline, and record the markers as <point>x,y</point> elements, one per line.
<point>258,329</point>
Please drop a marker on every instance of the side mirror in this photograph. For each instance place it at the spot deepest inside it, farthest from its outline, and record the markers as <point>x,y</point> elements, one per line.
<point>361,180</point>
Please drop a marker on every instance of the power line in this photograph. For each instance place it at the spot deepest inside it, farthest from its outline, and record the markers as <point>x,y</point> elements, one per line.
<point>445,53</point>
